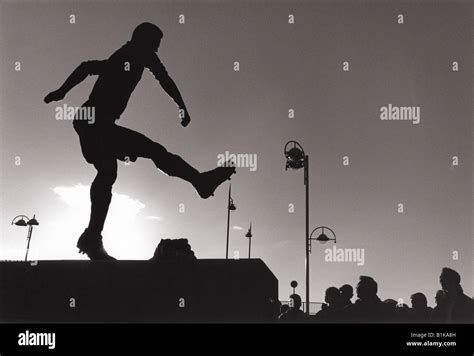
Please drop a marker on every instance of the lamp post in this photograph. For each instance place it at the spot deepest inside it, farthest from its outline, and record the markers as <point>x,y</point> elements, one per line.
<point>296,159</point>
<point>249,236</point>
<point>19,220</point>
<point>230,206</point>
<point>322,238</point>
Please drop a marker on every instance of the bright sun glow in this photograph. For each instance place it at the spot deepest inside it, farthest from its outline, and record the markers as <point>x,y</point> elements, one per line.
<point>122,227</point>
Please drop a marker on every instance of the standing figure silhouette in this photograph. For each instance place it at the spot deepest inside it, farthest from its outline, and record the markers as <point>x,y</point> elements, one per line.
<point>103,141</point>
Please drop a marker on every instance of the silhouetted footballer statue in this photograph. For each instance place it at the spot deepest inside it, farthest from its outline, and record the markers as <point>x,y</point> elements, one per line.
<point>103,142</point>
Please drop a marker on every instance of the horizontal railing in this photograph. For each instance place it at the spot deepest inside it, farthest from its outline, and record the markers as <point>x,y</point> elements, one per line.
<point>314,307</point>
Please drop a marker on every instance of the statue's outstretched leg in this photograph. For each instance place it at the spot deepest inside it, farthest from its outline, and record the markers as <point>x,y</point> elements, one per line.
<point>205,183</point>
<point>132,143</point>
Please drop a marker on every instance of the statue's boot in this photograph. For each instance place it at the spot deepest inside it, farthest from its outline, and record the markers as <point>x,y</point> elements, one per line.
<point>207,182</point>
<point>90,243</point>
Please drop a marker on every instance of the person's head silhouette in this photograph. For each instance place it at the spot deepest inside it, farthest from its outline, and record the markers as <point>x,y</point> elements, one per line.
<point>147,36</point>
<point>450,280</point>
<point>366,288</point>
<point>392,303</point>
<point>295,302</point>
<point>347,292</point>
<point>419,301</point>
<point>332,296</point>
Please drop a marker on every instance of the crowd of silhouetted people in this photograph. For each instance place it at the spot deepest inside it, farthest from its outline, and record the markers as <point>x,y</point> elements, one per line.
<point>452,305</point>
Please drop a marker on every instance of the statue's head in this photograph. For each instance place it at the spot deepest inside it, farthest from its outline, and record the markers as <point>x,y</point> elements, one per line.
<point>147,36</point>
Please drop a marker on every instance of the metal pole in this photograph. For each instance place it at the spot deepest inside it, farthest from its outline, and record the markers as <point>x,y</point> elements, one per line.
<point>250,245</point>
<point>28,237</point>
<point>306,182</point>
<point>228,224</point>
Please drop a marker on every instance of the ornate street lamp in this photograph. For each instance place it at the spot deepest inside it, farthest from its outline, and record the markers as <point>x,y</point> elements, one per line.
<point>297,159</point>
<point>230,207</point>
<point>249,236</point>
<point>20,221</point>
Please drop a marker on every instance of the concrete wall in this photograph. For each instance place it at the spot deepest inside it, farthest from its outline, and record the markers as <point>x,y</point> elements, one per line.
<point>137,291</point>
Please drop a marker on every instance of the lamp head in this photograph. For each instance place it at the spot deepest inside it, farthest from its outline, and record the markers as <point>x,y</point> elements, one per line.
<point>323,238</point>
<point>33,221</point>
<point>21,222</point>
<point>295,156</point>
<point>249,233</point>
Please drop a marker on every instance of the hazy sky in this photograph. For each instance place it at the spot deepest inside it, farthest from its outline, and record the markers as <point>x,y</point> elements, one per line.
<point>282,66</point>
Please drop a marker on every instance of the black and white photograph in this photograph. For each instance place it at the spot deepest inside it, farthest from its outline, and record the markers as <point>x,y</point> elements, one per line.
<point>236,175</point>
